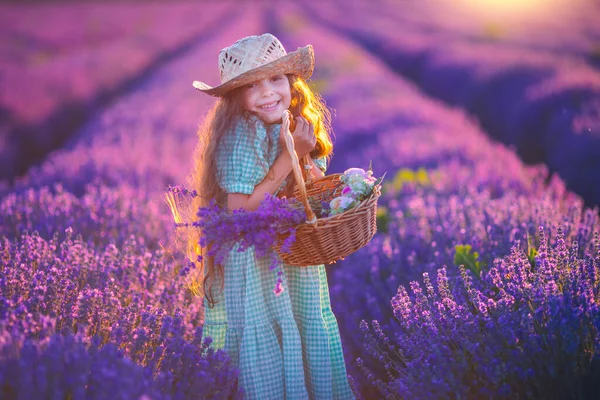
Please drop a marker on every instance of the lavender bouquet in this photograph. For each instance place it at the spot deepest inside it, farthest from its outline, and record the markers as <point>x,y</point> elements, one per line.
<point>222,229</point>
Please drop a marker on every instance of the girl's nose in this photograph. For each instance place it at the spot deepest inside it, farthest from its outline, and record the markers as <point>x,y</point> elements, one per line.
<point>266,89</point>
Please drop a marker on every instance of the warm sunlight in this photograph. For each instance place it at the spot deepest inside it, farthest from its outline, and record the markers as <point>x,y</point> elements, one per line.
<point>513,9</point>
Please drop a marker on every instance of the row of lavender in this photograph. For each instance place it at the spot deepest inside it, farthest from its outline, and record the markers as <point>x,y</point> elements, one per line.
<point>544,103</point>
<point>60,63</point>
<point>94,303</point>
<point>522,311</point>
<point>573,24</point>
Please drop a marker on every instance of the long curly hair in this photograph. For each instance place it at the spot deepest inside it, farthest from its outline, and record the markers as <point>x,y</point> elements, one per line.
<point>220,120</point>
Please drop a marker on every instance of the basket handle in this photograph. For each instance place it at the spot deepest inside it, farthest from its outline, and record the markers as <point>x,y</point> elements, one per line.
<point>289,144</point>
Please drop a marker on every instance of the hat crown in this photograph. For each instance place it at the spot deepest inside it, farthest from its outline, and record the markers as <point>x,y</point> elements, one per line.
<point>249,53</point>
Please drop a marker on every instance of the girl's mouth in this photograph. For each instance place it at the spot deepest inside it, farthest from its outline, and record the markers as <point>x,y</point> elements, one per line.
<point>270,106</point>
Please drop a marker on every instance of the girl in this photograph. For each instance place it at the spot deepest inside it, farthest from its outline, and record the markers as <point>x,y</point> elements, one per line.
<point>288,345</point>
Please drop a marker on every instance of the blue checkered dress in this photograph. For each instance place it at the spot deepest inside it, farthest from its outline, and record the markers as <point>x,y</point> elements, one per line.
<point>286,346</point>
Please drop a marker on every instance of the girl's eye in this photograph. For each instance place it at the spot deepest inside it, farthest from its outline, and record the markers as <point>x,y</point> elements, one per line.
<point>276,78</point>
<point>250,85</point>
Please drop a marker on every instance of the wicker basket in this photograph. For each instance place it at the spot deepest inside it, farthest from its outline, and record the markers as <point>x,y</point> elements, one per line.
<point>327,240</point>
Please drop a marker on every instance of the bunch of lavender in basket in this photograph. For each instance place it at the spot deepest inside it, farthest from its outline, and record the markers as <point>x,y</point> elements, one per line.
<point>223,230</point>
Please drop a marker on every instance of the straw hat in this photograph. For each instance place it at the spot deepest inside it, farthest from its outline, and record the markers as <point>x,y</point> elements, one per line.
<point>258,57</point>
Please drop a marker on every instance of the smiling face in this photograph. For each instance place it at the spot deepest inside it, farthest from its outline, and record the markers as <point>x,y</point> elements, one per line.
<point>268,98</point>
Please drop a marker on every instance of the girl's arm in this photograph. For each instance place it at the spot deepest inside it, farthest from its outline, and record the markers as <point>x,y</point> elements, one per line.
<point>270,184</point>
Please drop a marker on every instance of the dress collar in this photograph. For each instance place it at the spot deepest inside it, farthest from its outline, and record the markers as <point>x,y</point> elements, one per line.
<point>261,125</point>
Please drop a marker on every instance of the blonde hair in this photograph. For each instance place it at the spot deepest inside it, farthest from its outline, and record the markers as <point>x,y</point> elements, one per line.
<point>220,119</point>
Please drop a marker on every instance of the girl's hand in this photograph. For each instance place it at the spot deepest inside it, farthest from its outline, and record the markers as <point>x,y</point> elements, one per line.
<point>304,134</point>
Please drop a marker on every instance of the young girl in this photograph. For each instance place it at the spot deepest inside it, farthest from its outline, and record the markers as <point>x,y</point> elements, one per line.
<point>286,346</point>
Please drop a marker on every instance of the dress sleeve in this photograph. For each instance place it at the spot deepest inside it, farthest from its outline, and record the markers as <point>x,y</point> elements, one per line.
<point>241,161</point>
<point>321,162</point>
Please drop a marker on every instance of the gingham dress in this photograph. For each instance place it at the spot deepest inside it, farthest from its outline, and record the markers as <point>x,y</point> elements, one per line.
<point>286,346</point>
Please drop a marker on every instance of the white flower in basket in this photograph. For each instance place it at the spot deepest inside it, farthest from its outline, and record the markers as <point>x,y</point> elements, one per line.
<point>359,185</point>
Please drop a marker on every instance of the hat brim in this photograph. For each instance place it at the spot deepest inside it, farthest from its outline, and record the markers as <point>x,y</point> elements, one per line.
<point>300,62</point>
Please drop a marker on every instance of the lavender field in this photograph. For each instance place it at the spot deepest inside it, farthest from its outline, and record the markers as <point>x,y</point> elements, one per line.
<point>483,280</point>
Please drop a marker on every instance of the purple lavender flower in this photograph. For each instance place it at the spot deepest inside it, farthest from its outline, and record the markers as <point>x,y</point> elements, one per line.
<point>127,299</point>
<point>513,333</point>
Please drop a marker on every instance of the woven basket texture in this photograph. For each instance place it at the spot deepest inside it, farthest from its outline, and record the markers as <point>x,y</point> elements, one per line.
<point>333,238</point>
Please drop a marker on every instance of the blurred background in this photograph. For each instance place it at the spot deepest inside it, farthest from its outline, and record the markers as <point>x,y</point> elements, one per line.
<point>527,71</point>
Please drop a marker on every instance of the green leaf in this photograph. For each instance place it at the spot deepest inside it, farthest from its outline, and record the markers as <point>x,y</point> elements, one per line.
<point>531,256</point>
<point>464,256</point>
<point>382,219</point>
<point>531,252</point>
<point>379,180</point>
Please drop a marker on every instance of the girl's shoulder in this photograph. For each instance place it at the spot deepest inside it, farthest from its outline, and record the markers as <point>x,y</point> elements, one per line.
<point>243,124</point>
<point>244,134</point>
<point>237,132</point>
